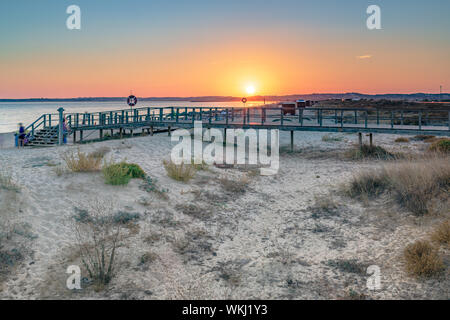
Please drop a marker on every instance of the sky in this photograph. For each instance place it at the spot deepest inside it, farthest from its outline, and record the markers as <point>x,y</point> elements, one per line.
<point>201,48</point>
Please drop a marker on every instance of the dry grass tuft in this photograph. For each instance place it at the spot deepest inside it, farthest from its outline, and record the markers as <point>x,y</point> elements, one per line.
<point>82,162</point>
<point>423,259</point>
<point>441,234</point>
<point>413,184</point>
<point>402,140</point>
<point>441,145</point>
<point>369,152</point>
<point>237,187</point>
<point>182,172</point>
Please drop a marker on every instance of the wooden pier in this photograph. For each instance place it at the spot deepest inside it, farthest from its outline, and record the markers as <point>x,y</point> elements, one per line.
<point>412,122</point>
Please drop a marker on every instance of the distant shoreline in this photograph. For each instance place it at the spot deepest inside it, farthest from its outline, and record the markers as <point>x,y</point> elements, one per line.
<point>313,96</point>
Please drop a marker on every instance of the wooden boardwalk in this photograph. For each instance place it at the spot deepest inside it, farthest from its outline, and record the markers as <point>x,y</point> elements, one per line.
<point>436,122</point>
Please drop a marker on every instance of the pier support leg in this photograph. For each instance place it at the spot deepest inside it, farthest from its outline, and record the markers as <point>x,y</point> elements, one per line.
<point>101,133</point>
<point>169,132</point>
<point>131,133</point>
<point>75,137</point>
<point>292,141</point>
<point>371,140</point>
<point>81,135</point>
<point>151,130</point>
<point>112,133</point>
<point>121,133</point>
<point>360,140</point>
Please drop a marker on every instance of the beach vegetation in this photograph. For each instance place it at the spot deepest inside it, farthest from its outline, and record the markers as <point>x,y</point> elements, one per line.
<point>179,172</point>
<point>121,173</point>
<point>414,185</point>
<point>423,259</point>
<point>441,145</point>
<point>82,162</point>
<point>441,234</point>
<point>98,236</point>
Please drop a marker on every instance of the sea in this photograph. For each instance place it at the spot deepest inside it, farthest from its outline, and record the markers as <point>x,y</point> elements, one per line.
<point>13,113</point>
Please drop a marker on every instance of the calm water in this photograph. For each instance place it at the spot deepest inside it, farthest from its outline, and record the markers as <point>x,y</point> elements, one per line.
<point>27,112</point>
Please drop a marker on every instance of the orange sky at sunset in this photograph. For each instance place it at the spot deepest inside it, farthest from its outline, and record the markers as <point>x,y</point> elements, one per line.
<point>276,58</point>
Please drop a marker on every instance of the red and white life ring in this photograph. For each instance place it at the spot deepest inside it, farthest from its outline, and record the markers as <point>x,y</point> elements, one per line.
<point>132,101</point>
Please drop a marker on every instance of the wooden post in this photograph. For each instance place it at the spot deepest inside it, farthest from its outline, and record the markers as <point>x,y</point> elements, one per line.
<point>360,140</point>
<point>169,131</point>
<point>371,139</point>
<point>151,130</point>
<point>292,141</point>
<point>420,120</point>
<point>121,132</point>
<point>112,133</point>
<point>74,136</point>
<point>131,133</point>
<point>101,133</point>
<point>60,127</point>
<point>81,135</point>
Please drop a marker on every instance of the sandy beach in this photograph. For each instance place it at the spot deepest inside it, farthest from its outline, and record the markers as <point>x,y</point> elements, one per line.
<point>270,242</point>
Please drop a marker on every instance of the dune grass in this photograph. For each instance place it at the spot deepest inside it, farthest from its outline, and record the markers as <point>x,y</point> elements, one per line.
<point>441,145</point>
<point>413,184</point>
<point>82,162</point>
<point>441,234</point>
<point>179,172</point>
<point>423,259</point>
<point>369,152</point>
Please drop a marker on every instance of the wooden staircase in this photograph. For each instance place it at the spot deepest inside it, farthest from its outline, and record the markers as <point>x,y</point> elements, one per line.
<point>44,137</point>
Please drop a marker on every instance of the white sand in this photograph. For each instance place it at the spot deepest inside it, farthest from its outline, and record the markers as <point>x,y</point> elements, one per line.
<point>264,244</point>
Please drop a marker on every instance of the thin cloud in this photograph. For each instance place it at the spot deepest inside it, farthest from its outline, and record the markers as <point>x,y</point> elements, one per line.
<point>367,56</point>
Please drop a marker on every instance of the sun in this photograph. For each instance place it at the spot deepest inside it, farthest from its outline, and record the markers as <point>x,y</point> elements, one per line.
<point>251,90</point>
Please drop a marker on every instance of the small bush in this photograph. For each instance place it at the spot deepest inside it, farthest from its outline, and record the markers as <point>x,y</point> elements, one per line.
<point>422,137</point>
<point>423,259</point>
<point>98,239</point>
<point>368,184</point>
<point>124,217</point>
<point>369,152</point>
<point>182,172</point>
<point>413,184</point>
<point>116,174</point>
<point>81,162</point>
<point>442,145</point>
<point>441,234</point>
<point>121,173</point>
<point>135,170</point>
<point>402,140</point>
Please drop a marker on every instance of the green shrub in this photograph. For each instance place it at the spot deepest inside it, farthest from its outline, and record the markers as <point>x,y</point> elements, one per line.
<point>135,170</point>
<point>121,173</point>
<point>442,145</point>
<point>116,174</point>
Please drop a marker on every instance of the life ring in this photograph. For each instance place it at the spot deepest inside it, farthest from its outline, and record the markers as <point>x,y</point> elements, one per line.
<point>244,100</point>
<point>132,101</point>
